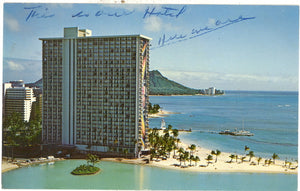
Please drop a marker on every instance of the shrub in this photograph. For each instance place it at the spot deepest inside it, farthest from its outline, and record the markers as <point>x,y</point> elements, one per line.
<point>85,170</point>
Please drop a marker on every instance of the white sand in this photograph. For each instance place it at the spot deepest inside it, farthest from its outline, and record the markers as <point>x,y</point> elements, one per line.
<point>222,164</point>
<point>161,113</point>
<point>6,166</point>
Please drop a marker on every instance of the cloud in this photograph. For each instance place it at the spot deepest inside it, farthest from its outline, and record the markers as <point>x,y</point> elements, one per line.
<point>153,24</point>
<point>15,66</point>
<point>156,24</point>
<point>24,69</point>
<point>12,23</point>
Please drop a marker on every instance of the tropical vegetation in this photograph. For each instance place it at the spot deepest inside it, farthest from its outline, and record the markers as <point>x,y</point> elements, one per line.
<point>153,109</point>
<point>18,133</point>
<point>89,168</point>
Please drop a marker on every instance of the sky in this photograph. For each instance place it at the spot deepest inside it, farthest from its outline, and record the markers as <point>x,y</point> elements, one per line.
<point>230,47</point>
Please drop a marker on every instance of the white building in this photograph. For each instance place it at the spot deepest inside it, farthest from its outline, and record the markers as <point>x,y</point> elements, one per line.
<point>210,91</point>
<point>18,99</point>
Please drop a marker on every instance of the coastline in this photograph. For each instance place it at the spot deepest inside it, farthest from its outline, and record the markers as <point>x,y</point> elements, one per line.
<point>161,113</point>
<point>222,165</point>
<point>8,166</point>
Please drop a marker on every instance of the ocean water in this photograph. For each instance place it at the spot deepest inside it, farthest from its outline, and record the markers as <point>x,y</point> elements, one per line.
<point>118,176</point>
<point>271,116</point>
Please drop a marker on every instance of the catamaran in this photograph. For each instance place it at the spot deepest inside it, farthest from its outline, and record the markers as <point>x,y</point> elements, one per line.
<point>237,132</point>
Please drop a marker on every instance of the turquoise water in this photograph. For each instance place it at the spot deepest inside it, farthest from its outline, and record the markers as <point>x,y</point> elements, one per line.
<point>137,177</point>
<point>271,116</point>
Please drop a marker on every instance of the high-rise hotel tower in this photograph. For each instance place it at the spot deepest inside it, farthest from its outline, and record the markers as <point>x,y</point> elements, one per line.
<point>95,92</point>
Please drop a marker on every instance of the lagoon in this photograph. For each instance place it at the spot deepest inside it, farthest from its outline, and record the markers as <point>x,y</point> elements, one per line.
<point>135,177</point>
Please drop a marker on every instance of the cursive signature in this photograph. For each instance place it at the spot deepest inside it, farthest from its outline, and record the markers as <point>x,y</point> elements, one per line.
<point>103,13</point>
<point>38,12</point>
<point>164,11</point>
<point>166,40</point>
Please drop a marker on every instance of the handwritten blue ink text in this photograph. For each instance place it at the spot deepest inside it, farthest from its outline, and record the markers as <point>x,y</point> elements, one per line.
<point>103,13</point>
<point>38,12</point>
<point>166,40</point>
<point>164,11</point>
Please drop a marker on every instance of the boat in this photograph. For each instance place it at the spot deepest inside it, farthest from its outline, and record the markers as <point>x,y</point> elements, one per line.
<point>163,124</point>
<point>237,132</point>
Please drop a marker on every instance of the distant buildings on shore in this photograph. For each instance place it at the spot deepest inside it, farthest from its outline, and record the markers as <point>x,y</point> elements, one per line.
<point>210,91</point>
<point>95,92</point>
<point>213,91</point>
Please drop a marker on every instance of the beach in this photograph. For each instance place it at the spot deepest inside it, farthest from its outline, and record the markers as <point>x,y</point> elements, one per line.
<point>223,163</point>
<point>162,113</point>
<point>6,166</point>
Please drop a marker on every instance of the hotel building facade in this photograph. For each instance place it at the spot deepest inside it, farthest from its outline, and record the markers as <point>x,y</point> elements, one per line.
<point>95,92</point>
<point>17,98</point>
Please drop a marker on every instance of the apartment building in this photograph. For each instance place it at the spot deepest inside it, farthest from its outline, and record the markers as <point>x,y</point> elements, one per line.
<point>95,92</point>
<point>18,99</point>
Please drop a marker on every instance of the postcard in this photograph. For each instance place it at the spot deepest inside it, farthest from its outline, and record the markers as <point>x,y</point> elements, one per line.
<point>161,96</point>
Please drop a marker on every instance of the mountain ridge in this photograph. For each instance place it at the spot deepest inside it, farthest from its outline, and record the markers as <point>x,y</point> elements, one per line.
<point>159,85</point>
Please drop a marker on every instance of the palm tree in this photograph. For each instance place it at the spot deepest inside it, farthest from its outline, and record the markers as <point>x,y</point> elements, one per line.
<point>185,156</point>
<point>175,133</point>
<point>274,156</point>
<point>242,159</point>
<point>217,154</point>
<point>192,148</point>
<point>213,152</point>
<point>246,148</point>
<point>232,156</point>
<point>266,161</point>
<point>209,158</point>
<point>192,158</point>
<point>174,148</point>
<point>258,160</point>
<point>152,153</point>
<point>181,156</point>
<point>92,159</point>
<point>269,162</point>
<point>285,162</point>
<point>290,163</point>
<point>181,150</point>
<point>196,160</point>
<point>250,154</point>
<point>236,157</point>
